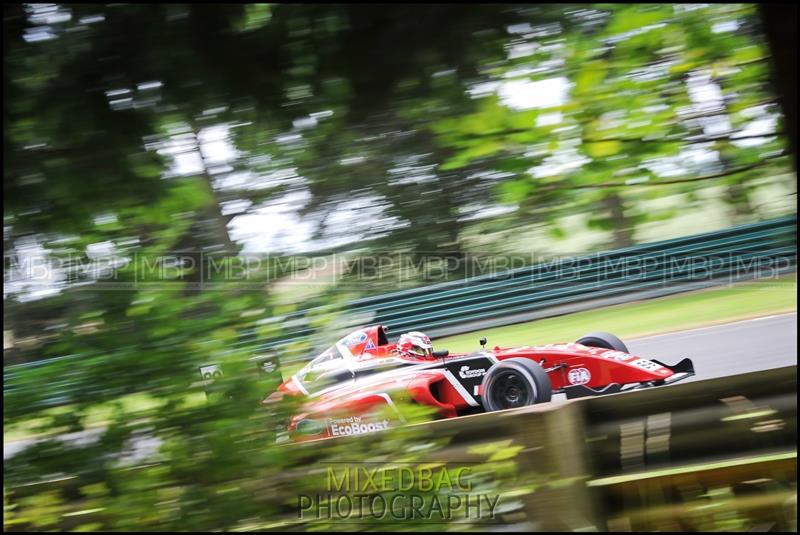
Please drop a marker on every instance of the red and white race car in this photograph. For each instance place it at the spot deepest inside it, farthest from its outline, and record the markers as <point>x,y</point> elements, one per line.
<point>349,387</point>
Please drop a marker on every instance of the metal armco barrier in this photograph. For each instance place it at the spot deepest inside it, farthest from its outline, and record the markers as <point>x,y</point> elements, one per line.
<point>726,445</point>
<point>732,416</point>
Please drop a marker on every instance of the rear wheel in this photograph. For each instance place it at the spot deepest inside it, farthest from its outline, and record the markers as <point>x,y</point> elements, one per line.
<point>515,382</point>
<point>604,340</point>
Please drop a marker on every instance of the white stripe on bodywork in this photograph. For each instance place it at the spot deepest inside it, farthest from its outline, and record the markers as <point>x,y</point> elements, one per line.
<point>388,399</point>
<point>345,352</point>
<point>299,385</point>
<point>459,388</point>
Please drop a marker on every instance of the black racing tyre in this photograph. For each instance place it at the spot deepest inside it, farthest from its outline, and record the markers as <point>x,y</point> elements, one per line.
<point>515,382</point>
<point>604,340</point>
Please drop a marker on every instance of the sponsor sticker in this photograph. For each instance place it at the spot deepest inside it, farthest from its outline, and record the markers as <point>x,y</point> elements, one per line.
<point>210,372</point>
<point>618,355</point>
<point>557,347</point>
<point>355,338</point>
<point>579,376</point>
<point>370,345</point>
<point>355,425</point>
<point>466,373</point>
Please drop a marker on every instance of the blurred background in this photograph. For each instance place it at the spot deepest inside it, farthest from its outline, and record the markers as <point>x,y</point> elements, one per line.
<point>180,181</point>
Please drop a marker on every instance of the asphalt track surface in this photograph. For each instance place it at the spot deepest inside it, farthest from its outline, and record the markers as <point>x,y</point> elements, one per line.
<point>729,349</point>
<point>716,351</point>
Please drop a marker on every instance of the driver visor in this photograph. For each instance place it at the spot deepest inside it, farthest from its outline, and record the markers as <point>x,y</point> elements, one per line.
<point>421,351</point>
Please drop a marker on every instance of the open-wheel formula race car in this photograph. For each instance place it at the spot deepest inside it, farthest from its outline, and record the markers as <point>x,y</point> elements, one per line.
<point>361,376</point>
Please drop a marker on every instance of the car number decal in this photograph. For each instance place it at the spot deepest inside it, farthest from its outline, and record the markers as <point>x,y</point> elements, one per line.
<point>646,364</point>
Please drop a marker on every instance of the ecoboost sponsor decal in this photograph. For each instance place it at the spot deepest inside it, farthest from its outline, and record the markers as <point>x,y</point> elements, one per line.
<point>355,425</point>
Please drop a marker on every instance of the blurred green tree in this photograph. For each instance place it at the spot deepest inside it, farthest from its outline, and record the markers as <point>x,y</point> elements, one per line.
<point>115,118</point>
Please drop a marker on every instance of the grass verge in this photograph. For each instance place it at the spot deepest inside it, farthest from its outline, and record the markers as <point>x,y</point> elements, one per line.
<point>642,318</point>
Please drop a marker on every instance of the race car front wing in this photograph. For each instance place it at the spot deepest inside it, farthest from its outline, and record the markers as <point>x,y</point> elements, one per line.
<point>682,370</point>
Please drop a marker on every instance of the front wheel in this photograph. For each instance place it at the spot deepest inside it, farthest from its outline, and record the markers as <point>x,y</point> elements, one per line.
<point>513,383</point>
<point>604,340</point>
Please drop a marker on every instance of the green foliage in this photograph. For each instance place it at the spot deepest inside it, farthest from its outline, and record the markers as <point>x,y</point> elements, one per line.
<point>336,103</point>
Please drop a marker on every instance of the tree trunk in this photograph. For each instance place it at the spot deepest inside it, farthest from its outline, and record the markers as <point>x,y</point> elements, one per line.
<point>623,231</point>
<point>780,25</point>
<point>737,198</point>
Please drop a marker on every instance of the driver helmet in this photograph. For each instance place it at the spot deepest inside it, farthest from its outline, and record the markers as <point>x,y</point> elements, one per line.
<point>415,345</point>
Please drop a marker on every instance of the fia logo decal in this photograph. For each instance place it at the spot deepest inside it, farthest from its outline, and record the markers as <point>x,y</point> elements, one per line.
<point>579,376</point>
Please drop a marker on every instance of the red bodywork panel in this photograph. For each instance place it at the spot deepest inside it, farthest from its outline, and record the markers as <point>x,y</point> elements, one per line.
<point>365,377</point>
<point>604,366</point>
